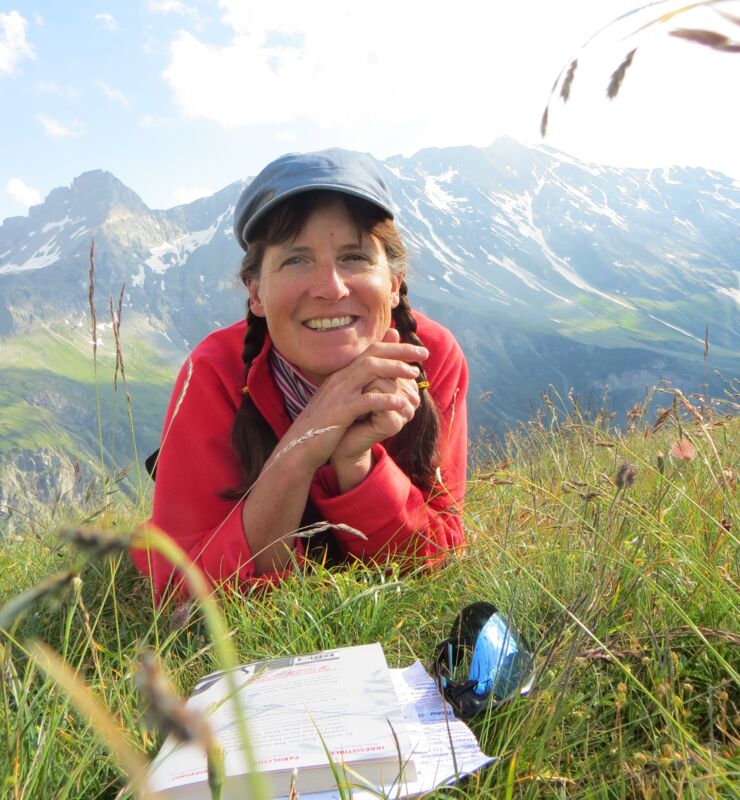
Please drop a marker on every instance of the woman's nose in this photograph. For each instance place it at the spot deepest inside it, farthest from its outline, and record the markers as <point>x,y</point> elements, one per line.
<point>328,282</point>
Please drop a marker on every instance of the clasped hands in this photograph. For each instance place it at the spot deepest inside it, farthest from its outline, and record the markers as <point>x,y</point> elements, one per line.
<point>367,401</point>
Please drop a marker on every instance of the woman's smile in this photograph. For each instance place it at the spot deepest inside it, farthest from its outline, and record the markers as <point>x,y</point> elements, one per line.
<point>330,323</point>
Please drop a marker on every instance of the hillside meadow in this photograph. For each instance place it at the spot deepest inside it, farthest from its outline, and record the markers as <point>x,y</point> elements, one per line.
<point>616,553</point>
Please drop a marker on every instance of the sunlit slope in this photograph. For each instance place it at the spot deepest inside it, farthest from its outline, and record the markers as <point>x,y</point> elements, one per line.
<point>50,428</point>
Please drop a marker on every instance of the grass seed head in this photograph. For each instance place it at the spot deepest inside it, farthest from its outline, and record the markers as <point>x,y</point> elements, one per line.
<point>95,542</point>
<point>165,709</point>
<point>53,586</point>
<point>626,475</point>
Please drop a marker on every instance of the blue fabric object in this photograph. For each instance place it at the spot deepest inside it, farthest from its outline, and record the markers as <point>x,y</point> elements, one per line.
<point>334,169</point>
<point>500,663</point>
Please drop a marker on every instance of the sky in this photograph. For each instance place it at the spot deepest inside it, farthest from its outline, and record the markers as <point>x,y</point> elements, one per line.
<point>179,98</point>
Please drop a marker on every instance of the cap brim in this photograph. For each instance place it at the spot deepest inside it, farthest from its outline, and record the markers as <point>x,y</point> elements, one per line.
<point>332,187</point>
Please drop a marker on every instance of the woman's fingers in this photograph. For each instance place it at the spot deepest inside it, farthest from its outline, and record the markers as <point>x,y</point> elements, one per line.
<point>377,392</point>
<point>402,351</point>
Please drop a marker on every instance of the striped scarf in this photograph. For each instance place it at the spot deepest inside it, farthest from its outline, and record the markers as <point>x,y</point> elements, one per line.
<point>297,390</point>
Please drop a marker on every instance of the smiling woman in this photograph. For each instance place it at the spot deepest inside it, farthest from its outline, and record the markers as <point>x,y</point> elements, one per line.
<point>332,402</point>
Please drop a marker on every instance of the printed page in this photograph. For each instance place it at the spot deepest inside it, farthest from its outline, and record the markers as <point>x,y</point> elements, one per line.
<point>432,745</point>
<point>346,695</point>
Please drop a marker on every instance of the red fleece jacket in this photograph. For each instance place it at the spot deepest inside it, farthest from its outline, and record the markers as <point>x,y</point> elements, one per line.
<point>196,463</point>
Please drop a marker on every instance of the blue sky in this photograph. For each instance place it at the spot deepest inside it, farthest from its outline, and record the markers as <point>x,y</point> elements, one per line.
<point>180,97</point>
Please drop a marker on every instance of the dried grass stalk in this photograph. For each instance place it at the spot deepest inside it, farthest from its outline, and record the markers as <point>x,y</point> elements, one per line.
<point>116,325</point>
<point>565,89</point>
<point>293,793</point>
<point>184,389</point>
<point>618,75</point>
<point>318,527</point>
<point>717,41</point>
<point>544,121</point>
<point>168,713</point>
<point>96,542</point>
<point>165,709</point>
<point>304,438</point>
<point>91,298</point>
<point>662,417</point>
<point>17,606</point>
<point>97,715</point>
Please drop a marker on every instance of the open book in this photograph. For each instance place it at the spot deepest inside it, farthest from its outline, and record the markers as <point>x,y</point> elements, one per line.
<point>298,708</point>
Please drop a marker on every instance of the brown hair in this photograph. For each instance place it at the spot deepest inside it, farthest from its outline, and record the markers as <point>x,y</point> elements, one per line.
<point>414,448</point>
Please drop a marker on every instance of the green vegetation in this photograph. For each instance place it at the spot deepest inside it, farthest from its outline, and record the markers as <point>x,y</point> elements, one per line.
<point>49,415</point>
<point>67,352</point>
<point>616,553</point>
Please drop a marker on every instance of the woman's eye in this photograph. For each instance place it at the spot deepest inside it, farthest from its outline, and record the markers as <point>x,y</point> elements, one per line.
<point>357,257</point>
<point>293,260</point>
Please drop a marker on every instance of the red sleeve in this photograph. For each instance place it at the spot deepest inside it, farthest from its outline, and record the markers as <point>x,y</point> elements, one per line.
<point>196,464</point>
<point>394,514</point>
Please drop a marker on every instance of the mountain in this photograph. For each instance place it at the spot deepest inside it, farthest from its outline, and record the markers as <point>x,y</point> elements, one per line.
<point>548,270</point>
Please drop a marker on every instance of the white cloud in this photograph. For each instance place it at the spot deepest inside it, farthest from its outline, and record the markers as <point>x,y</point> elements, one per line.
<point>171,7</point>
<point>151,121</point>
<point>346,70</point>
<point>22,193</point>
<point>186,194</point>
<point>60,130</point>
<point>108,21</point>
<point>52,87</point>
<point>13,43</point>
<point>112,94</point>
<point>445,74</point>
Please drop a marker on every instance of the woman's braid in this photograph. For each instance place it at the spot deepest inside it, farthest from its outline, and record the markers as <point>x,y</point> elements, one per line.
<point>414,448</point>
<point>252,437</point>
<point>254,339</point>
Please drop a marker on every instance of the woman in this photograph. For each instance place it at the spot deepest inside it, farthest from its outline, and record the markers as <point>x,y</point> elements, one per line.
<point>332,401</point>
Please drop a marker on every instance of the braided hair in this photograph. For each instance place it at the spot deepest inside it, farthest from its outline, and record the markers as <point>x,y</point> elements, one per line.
<point>415,447</point>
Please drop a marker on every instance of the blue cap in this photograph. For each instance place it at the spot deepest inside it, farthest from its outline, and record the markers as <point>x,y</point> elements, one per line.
<point>336,170</point>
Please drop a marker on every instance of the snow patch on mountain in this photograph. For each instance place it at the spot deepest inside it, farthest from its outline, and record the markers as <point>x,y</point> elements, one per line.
<point>59,224</point>
<point>175,254</point>
<point>525,277</point>
<point>676,328</point>
<point>723,198</point>
<point>45,256</point>
<point>733,294</point>
<point>437,196</point>
<point>603,209</point>
<point>666,174</point>
<point>138,279</point>
<point>563,158</point>
<point>440,249</point>
<point>562,268</point>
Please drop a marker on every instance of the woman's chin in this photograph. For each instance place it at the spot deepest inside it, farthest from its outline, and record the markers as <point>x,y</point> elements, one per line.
<point>320,369</point>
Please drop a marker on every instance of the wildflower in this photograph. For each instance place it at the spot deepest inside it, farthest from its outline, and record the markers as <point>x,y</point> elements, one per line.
<point>729,476</point>
<point>626,475</point>
<point>683,450</point>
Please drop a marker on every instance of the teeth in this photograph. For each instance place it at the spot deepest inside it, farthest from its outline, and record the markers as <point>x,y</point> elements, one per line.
<point>325,323</point>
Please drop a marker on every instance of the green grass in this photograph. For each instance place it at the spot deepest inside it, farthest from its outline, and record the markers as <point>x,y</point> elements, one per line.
<point>48,411</point>
<point>68,352</point>
<point>631,596</point>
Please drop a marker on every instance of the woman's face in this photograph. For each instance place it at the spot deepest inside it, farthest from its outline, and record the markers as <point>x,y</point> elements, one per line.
<point>326,296</point>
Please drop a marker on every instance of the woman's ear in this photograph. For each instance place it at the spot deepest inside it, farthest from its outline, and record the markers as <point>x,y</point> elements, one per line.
<point>396,281</point>
<point>255,303</point>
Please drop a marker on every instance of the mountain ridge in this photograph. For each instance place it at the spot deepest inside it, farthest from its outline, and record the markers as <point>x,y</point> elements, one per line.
<point>547,270</point>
